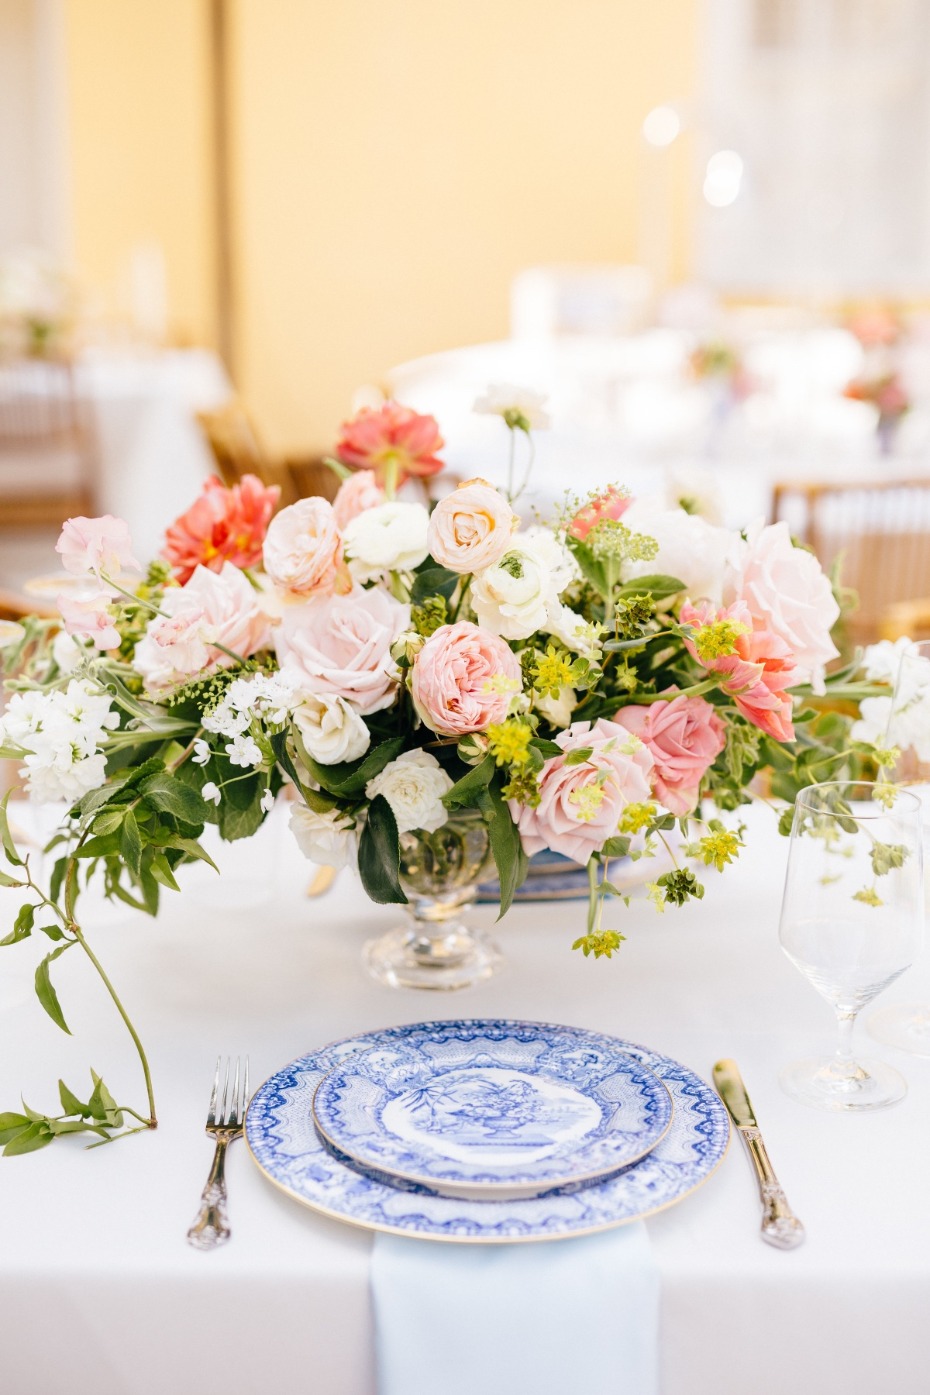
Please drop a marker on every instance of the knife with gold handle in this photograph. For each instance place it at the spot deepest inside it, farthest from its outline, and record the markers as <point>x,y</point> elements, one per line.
<point>780,1226</point>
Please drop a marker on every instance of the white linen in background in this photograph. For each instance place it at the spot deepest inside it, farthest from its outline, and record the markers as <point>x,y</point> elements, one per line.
<point>93,1259</point>
<point>504,1319</point>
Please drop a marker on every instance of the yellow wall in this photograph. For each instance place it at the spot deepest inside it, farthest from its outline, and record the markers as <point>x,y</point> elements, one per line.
<point>396,161</point>
<point>140,149</point>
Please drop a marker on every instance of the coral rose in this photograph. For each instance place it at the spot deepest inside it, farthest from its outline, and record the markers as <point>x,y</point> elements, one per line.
<point>613,503</point>
<point>213,608</point>
<point>223,525</point>
<point>463,679</point>
<point>303,549</point>
<point>340,646</point>
<point>581,805</point>
<point>470,528</point>
<point>393,441</point>
<point>787,593</point>
<point>359,492</point>
<point>685,737</point>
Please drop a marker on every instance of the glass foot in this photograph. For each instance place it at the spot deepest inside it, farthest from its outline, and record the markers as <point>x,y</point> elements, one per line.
<point>843,1086</point>
<point>904,1025</point>
<point>454,958</point>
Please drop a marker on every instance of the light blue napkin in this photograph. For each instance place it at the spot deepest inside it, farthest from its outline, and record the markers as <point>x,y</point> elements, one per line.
<point>552,1318</point>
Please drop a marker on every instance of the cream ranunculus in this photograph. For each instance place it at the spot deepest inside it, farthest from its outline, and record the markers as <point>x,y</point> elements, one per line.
<point>388,538</point>
<point>514,597</point>
<point>329,839</point>
<point>413,785</point>
<point>331,730</point>
<point>470,529</point>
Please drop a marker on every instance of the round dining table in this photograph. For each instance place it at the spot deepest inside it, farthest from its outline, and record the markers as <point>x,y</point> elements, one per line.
<point>99,1292</point>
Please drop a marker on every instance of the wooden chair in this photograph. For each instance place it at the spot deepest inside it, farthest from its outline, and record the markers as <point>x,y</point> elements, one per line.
<point>907,618</point>
<point>237,450</point>
<point>48,458</point>
<point>878,532</point>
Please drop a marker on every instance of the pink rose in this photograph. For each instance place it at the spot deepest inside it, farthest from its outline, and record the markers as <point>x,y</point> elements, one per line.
<point>757,674</point>
<point>685,737</point>
<point>303,549</point>
<point>471,528</point>
<point>359,492</point>
<point>96,545</point>
<point>213,608</point>
<point>222,525</point>
<point>340,646</point>
<point>463,679</point>
<point>580,806</point>
<point>787,593</point>
<point>611,504</point>
<point>87,616</point>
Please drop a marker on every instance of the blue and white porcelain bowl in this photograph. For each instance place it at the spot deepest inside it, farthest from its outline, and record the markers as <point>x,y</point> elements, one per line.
<point>493,1110</point>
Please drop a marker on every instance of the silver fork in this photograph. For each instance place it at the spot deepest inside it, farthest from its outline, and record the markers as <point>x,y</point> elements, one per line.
<point>211,1228</point>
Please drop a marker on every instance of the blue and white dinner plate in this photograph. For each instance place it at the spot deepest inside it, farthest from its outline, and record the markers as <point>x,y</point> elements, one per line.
<point>492,1111</point>
<point>287,1148</point>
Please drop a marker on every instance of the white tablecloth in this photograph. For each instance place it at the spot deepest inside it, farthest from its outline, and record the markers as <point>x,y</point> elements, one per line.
<point>100,1293</point>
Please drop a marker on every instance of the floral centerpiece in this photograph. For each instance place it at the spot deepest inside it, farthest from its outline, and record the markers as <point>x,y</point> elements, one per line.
<point>597,686</point>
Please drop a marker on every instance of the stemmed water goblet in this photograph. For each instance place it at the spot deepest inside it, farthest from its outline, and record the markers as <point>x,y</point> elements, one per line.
<point>907,1025</point>
<point>851,921</point>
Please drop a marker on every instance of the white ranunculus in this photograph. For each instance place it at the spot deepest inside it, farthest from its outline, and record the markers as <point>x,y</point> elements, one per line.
<point>331,730</point>
<point>389,538</point>
<point>413,785</point>
<point>329,839</point>
<point>519,406</point>
<point>513,599</point>
<point>690,548</point>
<point>558,710</point>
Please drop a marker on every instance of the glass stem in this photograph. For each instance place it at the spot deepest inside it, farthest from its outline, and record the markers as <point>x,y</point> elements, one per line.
<point>845,1022</point>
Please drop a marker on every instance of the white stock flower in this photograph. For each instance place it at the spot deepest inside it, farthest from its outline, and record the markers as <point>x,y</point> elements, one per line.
<point>413,785</point>
<point>61,733</point>
<point>329,839</point>
<point>391,537</point>
<point>513,599</point>
<point>881,661</point>
<point>331,730</point>
<point>67,653</point>
<point>521,407</point>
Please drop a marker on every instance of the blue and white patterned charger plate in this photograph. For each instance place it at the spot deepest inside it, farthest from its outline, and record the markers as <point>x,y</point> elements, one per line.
<point>493,1111</point>
<point>553,877</point>
<point>287,1148</point>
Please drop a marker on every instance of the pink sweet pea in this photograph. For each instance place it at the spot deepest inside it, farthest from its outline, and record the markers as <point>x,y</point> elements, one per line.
<point>393,441</point>
<point>611,504</point>
<point>213,608</point>
<point>223,525</point>
<point>96,546</point>
<point>355,495</point>
<point>464,679</point>
<point>580,806</point>
<point>757,674</point>
<point>88,617</point>
<point>685,737</point>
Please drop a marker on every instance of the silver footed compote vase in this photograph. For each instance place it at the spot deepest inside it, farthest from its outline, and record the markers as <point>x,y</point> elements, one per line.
<point>439,873</point>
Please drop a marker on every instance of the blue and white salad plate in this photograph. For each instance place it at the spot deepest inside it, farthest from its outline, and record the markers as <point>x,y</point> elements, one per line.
<point>492,1111</point>
<point>285,1144</point>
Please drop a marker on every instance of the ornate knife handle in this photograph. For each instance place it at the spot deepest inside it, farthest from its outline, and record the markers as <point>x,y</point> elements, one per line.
<point>780,1226</point>
<point>211,1227</point>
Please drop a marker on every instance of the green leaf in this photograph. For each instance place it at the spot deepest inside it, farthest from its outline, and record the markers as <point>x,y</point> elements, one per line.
<point>616,847</point>
<point>465,791</point>
<point>108,821</point>
<point>6,880</point>
<point>162,791</point>
<point>29,1140</point>
<point>592,570</point>
<point>6,837</point>
<point>506,847</point>
<point>434,581</point>
<point>161,871</point>
<point>11,1125</point>
<point>100,847</point>
<point>22,925</point>
<point>579,756</point>
<point>547,748</point>
<point>379,855</point>
<point>315,800</point>
<point>70,1102</point>
<point>57,878</point>
<point>53,931</point>
<point>46,992</point>
<point>658,586</point>
<point>351,777</point>
<point>193,849</point>
<point>130,844</point>
<point>102,1105</point>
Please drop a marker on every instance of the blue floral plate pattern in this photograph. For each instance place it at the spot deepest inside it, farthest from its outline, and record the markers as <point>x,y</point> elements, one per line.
<point>287,1148</point>
<point>494,1110</point>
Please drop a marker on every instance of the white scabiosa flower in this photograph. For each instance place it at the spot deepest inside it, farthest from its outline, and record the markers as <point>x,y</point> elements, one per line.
<point>331,730</point>
<point>329,839</point>
<point>413,785</point>
<point>389,538</point>
<point>523,409</point>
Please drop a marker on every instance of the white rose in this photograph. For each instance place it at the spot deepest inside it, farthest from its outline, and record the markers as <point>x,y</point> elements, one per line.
<point>389,538</point>
<point>784,587</point>
<point>413,785</point>
<point>513,598</point>
<point>331,730</point>
<point>690,548</point>
<point>329,839</point>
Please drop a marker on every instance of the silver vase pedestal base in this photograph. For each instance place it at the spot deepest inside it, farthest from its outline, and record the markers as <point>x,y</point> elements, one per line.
<point>455,957</point>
